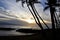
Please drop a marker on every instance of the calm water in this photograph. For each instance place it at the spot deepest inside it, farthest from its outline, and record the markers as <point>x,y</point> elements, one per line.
<point>13,32</point>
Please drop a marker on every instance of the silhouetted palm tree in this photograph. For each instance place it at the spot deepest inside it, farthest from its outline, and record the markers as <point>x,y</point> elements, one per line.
<point>31,3</point>
<point>35,14</point>
<point>51,4</point>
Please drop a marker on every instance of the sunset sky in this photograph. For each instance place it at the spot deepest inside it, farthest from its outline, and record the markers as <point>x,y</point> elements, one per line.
<point>11,9</point>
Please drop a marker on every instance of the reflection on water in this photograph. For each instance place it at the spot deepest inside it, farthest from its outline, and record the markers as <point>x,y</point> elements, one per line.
<point>18,27</point>
<point>13,32</point>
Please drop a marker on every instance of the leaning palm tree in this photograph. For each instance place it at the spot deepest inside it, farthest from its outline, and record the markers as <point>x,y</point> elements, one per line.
<point>34,13</point>
<point>30,2</point>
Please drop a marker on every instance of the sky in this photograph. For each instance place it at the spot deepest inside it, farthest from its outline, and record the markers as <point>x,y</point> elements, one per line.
<point>14,10</point>
<point>13,15</point>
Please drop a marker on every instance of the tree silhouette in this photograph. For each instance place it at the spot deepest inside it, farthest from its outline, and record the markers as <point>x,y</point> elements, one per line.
<point>51,4</point>
<point>31,3</point>
<point>34,13</point>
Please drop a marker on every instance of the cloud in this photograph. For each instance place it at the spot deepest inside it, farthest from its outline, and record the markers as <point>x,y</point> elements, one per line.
<point>13,23</point>
<point>3,13</point>
<point>11,9</point>
<point>16,9</point>
<point>2,17</point>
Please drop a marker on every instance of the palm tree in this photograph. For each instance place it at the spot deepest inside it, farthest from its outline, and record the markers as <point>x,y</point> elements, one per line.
<point>35,14</point>
<point>51,4</point>
<point>31,3</point>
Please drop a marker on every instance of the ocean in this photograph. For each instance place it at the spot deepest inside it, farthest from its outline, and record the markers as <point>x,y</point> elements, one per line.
<point>14,32</point>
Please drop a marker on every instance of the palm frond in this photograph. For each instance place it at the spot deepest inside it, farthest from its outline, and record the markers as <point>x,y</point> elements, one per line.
<point>47,3</point>
<point>23,3</point>
<point>45,8</point>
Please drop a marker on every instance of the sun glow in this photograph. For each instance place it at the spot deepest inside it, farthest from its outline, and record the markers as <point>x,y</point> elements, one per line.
<point>33,21</point>
<point>29,20</point>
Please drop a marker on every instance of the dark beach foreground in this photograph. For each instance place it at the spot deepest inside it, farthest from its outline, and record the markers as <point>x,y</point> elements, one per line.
<point>46,34</point>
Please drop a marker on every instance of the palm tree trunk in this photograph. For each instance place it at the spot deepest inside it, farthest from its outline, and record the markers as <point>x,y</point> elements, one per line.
<point>32,15</point>
<point>52,19</point>
<point>39,24</point>
<point>41,18</point>
<point>55,18</point>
